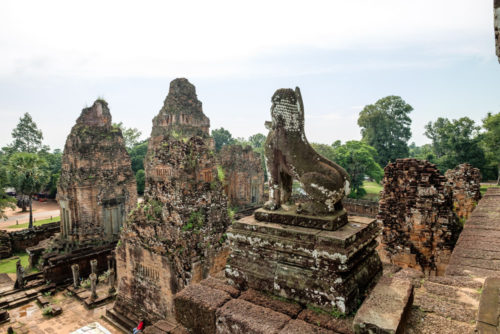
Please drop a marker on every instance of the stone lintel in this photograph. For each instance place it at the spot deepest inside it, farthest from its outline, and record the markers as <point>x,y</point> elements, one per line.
<point>290,217</point>
<point>386,308</point>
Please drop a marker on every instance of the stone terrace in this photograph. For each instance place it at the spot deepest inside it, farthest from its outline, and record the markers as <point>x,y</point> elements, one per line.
<point>477,252</point>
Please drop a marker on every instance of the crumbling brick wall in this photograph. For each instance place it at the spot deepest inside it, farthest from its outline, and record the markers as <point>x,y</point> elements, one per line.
<point>420,227</point>
<point>465,182</point>
<point>5,245</point>
<point>97,186</point>
<point>177,235</point>
<point>243,175</point>
<point>360,207</point>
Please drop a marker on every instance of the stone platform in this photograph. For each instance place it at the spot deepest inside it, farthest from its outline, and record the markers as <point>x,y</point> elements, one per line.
<point>212,306</point>
<point>311,266</point>
<point>289,217</point>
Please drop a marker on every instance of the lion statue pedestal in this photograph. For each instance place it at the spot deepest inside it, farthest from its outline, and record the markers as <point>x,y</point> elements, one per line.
<point>309,252</point>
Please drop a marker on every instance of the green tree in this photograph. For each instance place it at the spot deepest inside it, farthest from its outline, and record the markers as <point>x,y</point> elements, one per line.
<point>27,137</point>
<point>140,178</point>
<point>423,152</point>
<point>455,142</point>
<point>357,158</point>
<point>130,135</point>
<point>257,140</point>
<point>385,126</point>
<point>222,137</point>
<point>137,155</point>
<point>28,174</point>
<point>491,144</point>
<point>54,162</point>
<point>6,201</point>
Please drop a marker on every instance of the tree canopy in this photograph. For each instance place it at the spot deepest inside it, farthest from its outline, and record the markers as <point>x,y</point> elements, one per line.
<point>455,142</point>
<point>385,125</point>
<point>357,158</point>
<point>130,135</point>
<point>27,137</point>
<point>222,137</point>
<point>28,174</point>
<point>491,144</point>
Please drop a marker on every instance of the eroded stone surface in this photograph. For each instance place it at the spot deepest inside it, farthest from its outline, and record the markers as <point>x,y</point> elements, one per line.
<point>196,306</point>
<point>465,182</point>
<point>240,316</point>
<point>243,175</point>
<point>97,188</point>
<point>386,308</point>
<point>420,228</point>
<point>176,236</point>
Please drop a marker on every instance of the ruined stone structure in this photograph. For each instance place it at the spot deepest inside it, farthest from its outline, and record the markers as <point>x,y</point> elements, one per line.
<point>497,26</point>
<point>5,245</point>
<point>309,251</point>
<point>97,187</point>
<point>176,236</point>
<point>420,227</point>
<point>243,175</point>
<point>465,182</point>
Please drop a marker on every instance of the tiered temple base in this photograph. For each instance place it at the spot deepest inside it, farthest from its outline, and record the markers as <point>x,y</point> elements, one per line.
<point>325,268</point>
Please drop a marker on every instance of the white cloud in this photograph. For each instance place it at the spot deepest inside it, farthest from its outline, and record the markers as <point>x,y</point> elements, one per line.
<point>217,38</point>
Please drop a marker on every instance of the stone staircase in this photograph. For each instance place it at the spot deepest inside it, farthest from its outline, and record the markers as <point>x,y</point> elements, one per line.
<point>118,321</point>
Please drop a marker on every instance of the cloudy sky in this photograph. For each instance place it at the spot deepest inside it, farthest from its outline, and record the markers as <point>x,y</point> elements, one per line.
<point>56,57</point>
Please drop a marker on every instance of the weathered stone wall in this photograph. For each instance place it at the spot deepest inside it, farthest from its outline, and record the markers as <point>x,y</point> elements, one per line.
<point>360,207</point>
<point>176,236</point>
<point>5,245</point>
<point>97,187</point>
<point>20,240</point>
<point>420,227</point>
<point>465,182</point>
<point>243,175</point>
<point>58,267</point>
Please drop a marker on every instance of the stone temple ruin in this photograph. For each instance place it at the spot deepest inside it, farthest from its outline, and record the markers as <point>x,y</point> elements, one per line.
<point>420,227</point>
<point>465,182</point>
<point>97,187</point>
<point>243,175</point>
<point>176,236</point>
<point>310,251</point>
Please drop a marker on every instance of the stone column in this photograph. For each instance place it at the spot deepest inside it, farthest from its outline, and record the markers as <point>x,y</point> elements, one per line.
<point>93,266</point>
<point>76,275</point>
<point>110,262</point>
<point>93,286</point>
<point>111,281</point>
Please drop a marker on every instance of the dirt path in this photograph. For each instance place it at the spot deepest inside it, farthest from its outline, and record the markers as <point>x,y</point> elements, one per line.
<point>41,210</point>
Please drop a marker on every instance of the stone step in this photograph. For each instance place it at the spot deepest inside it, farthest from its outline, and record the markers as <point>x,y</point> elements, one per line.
<point>457,281</point>
<point>466,297</point>
<point>429,302</point>
<point>420,322</point>
<point>119,321</point>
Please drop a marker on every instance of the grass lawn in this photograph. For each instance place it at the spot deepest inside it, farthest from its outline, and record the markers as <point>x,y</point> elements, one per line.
<point>372,190</point>
<point>9,265</point>
<point>37,223</point>
<point>484,187</point>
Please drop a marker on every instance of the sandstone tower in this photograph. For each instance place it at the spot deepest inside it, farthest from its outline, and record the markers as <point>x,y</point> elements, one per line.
<point>97,187</point>
<point>243,175</point>
<point>176,236</point>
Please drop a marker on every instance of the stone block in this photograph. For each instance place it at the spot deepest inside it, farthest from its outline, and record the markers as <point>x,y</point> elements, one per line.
<point>240,316</point>
<point>289,308</point>
<point>300,327</point>
<point>386,308</point>
<point>195,307</point>
<point>489,303</point>
<point>42,300</point>
<point>324,320</point>
<point>221,285</point>
<point>289,217</point>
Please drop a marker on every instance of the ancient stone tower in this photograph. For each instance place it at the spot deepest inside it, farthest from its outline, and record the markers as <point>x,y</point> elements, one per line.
<point>97,187</point>
<point>243,175</point>
<point>176,236</point>
<point>420,228</point>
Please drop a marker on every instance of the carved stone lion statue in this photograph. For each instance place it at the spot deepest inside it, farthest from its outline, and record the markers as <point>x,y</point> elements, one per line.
<point>289,156</point>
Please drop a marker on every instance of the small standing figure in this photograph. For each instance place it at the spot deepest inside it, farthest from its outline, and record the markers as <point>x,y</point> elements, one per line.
<point>139,328</point>
<point>19,275</point>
